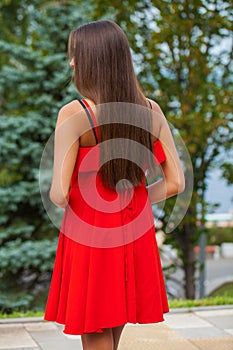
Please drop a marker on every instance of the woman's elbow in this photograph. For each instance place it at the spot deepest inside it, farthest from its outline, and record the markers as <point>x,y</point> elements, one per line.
<point>58,200</point>
<point>179,185</point>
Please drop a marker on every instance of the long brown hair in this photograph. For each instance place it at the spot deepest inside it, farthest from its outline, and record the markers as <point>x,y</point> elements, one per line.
<point>104,73</point>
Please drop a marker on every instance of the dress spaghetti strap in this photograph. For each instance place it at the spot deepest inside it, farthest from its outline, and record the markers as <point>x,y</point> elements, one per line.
<point>91,118</point>
<point>149,103</point>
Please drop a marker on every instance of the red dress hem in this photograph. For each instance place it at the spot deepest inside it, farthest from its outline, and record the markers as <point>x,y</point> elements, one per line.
<point>69,331</point>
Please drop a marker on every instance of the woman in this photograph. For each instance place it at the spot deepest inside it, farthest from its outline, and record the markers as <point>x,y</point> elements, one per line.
<point>102,280</point>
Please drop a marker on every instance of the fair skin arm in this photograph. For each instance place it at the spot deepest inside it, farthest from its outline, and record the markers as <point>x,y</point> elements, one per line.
<point>66,145</point>
<point>173,181</point>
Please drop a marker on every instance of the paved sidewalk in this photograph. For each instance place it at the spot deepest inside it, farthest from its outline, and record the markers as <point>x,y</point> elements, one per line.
<point>209,328</point>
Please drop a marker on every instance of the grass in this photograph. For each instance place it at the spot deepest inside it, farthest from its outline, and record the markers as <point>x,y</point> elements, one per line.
<point>221,296</point>
<point>224,290</point>
<point>210,301</point>
<point>17,314</point>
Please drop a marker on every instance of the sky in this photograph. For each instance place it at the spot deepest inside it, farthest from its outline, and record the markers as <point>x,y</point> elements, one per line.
<point>219,191</point>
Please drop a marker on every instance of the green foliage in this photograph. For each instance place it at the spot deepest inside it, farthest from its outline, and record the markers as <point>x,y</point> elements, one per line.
<point>227,169</point>
<point>218,235</point>
<point>10,302</point>
<point>29,255</point>
<point>34,85</point>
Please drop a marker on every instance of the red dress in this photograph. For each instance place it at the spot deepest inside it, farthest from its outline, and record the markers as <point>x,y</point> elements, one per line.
<point>100,282</point>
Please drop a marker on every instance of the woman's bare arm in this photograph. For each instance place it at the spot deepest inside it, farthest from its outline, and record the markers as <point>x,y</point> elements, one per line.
<point>173,181</point>
<point>66,145</point>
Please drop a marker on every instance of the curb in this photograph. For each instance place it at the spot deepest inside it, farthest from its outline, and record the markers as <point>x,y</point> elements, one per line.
<point>200,308</point>
<point>22,320</point>
<point>172,311</point>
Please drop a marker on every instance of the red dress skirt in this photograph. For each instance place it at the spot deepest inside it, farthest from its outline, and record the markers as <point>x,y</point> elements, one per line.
<point>107,271</point>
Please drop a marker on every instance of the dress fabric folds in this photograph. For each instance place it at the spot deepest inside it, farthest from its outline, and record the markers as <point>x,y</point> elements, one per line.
<point>107,270</point>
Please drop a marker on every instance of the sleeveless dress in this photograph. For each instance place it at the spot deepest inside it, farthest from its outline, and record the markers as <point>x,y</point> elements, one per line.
<point>103,283</point>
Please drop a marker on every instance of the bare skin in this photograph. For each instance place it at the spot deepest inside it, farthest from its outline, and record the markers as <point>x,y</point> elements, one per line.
<point>108,340</point>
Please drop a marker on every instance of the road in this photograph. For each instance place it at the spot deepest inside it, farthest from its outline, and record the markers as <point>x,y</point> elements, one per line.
<point>217,272</point>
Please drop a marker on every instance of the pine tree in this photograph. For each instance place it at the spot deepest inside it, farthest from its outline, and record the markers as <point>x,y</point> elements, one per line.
<point>35,83</point>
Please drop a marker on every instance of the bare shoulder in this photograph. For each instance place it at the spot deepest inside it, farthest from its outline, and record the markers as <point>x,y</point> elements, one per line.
<point>158,113</point>
<point>158,118</point>
<point>155,106</point>
<point>68,110</point>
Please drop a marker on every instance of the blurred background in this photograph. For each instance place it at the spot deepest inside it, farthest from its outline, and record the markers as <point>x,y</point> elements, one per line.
<point>182,53</point>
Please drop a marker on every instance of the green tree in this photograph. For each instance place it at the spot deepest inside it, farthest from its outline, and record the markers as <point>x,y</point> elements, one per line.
<point>183,54</point>
<point>34,80</point>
